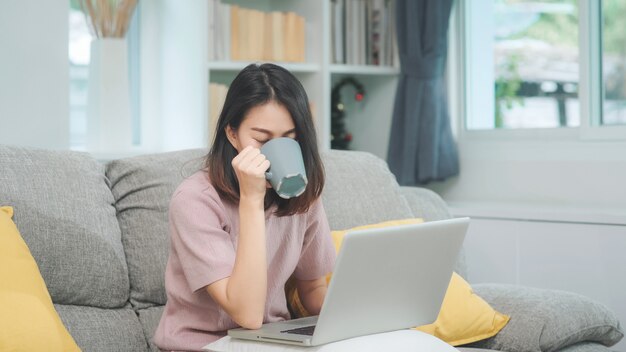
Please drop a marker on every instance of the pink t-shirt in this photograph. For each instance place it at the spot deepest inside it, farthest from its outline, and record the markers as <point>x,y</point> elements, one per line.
<point>203,244</point>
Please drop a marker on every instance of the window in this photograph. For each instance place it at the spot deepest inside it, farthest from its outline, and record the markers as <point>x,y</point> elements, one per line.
<point>79,52</point>
<point>526,67</point>
<point>613,62</point>
<point>79,43</point>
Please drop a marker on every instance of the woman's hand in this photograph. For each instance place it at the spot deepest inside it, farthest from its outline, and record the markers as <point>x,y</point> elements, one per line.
<point>250,166</point>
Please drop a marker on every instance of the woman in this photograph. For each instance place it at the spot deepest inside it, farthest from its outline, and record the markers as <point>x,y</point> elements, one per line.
<point>233,241</point>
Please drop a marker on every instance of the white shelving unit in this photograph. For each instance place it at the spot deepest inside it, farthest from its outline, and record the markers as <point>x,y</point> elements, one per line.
<point>186,80</point>
<point>236,66</point>
<point>364,70</point>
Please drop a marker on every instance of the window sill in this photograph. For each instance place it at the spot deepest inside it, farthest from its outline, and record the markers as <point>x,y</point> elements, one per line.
<point>539,212</point>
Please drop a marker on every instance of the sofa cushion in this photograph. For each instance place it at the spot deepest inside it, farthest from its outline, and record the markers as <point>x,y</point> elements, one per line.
<point>96,329</point>
<point>547,320</point>
<point>464,316</point>
<point>359,190</point>
<point>142,187</point>
<point>28,321</point>
<point>149,319</point>
<point>64,211</point>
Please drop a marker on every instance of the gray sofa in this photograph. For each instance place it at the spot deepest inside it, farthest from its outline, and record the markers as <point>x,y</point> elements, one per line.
<point>98,232</point>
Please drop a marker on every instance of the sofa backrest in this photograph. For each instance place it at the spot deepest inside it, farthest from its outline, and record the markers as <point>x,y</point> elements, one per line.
<point>64,211</point>
<point>99,231</point>
<point>360,190</point>
<point>142,187</point>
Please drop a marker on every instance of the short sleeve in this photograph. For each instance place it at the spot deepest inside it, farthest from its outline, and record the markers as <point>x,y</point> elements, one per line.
<point>203,247</point>
<point>318,253</point>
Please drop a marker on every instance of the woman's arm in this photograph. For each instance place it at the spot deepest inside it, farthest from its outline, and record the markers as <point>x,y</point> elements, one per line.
<point>312,293</point>
<point>316,260</point>
<point>243,294</point>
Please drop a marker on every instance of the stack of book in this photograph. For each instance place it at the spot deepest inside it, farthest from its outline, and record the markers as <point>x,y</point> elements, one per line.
<point>238,33</point>
<point>363,32</point>
<point>217,96</point>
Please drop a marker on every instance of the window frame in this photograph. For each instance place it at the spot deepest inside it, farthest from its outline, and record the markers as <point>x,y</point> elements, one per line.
<point>590,71</point>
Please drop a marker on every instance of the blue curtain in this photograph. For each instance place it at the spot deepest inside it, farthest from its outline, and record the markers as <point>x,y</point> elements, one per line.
<point>421,146</point>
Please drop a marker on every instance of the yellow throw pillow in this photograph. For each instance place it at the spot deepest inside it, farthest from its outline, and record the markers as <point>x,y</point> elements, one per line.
<point>464,316</point>
<point>28,321</point>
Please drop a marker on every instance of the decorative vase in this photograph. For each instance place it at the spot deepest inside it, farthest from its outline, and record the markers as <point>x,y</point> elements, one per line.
<point>109,125</point>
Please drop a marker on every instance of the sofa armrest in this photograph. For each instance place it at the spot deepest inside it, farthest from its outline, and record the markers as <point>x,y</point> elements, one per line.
<point>586,347</point>
<point>425,203</point>
<point>579,347</point>
<point>547,320</point>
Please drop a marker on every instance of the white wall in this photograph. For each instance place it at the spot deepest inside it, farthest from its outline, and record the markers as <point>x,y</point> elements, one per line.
<point>174,76</point>
<point>34,73</point>
<point>545,172</point>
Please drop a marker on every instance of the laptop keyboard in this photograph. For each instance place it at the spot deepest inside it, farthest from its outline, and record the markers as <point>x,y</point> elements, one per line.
<point>307,330</point>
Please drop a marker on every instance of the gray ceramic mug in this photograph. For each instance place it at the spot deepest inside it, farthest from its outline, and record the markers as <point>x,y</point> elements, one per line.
<point>286,174</point>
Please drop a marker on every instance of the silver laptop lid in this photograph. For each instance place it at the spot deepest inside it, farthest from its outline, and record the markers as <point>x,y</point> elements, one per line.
<point>389,279</point>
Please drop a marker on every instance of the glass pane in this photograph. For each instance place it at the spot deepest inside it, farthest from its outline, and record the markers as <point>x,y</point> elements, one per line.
<point>79,42</point>
<point>614,62</point>
<point>536,63</point>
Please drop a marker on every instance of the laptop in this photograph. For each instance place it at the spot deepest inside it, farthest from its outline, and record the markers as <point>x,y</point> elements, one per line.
<point>384,279</point>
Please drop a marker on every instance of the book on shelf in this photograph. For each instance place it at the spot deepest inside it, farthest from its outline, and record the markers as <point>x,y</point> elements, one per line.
<point>338,29</point>
<point>241,34</point>
<point>313,109</point>
<point>277,23</point>
<point>362,38</point>
<point>393,58</point>
<point>219,39</point>
<point>291,37</point>
<point>363,32</point>
<point>267,38</point>
<point>217,97</point>
<point>234,31</point>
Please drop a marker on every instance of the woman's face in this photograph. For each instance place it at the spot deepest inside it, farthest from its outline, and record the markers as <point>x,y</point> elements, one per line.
<point>262,123</point>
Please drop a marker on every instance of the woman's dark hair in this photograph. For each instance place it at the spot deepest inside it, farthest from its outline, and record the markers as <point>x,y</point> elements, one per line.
<point>257,85</point>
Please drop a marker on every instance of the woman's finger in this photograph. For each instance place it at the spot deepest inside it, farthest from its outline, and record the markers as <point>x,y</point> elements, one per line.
<point>244,156</point>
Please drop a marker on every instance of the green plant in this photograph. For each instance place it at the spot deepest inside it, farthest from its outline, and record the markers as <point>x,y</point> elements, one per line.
<point>507,85</point>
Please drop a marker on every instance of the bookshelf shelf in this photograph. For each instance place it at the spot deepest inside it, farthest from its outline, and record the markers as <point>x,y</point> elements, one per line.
<point>236,66</point>
<point>363,69</point>
<point>324,47</point>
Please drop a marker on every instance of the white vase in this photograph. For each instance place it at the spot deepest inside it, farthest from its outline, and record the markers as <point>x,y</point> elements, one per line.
<point>109,125</point>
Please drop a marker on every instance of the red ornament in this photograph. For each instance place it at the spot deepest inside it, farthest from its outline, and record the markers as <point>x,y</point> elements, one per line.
<point>358,96</point>
<point>348,137</point>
